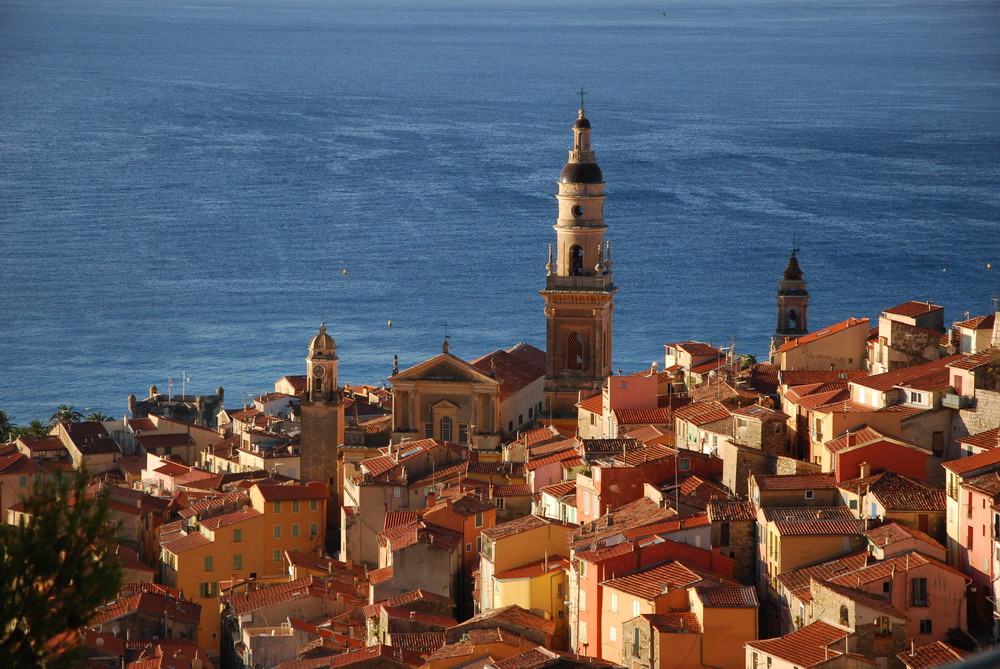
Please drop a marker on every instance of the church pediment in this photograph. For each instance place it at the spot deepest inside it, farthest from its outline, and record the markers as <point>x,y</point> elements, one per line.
<point>445,368</point>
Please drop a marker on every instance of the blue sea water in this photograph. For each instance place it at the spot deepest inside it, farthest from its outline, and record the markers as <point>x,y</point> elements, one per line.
<point>183,182</point>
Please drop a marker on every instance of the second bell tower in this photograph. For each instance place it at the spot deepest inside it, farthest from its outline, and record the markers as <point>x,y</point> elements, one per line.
<point>579,292</point>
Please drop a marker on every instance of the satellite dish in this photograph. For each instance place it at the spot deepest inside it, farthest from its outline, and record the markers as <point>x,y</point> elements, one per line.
<point>115,630</point>
<point>950,348</point>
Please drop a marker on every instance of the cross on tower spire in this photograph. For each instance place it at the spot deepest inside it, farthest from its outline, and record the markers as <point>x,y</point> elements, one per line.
<point>582,93</point>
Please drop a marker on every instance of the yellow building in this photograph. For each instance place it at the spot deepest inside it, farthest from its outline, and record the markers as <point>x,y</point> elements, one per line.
<point>538,586</point>
<point>246,543</point>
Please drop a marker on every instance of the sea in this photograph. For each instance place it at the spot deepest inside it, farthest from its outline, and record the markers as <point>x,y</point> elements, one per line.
<point>188,188</point>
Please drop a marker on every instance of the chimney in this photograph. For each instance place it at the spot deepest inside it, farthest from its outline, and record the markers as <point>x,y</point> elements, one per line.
<point>913,647</point>
<point>431,499</point>
<point>866,470</point>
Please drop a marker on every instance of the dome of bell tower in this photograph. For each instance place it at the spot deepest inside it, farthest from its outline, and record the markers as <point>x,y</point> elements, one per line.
<point>323,343</point>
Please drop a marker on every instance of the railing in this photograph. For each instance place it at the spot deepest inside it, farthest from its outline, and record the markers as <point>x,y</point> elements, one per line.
<point>555,282</point>
<point>953,401</point>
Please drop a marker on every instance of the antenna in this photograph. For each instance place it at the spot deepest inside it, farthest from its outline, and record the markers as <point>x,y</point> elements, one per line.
<point>582,93</point>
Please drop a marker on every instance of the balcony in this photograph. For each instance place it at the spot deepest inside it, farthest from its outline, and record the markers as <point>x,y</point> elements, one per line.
<point>953,401</point>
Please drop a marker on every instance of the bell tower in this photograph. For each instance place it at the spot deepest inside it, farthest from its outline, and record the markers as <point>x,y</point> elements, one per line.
<point>579,292</point>
<point>322,430</point>
<point>793,305</point>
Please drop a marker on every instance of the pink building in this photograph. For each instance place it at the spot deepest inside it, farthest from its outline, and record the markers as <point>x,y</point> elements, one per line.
<point>868,445</point>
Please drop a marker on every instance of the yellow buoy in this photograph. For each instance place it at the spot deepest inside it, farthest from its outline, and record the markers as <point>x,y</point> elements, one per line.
<point>390,323</point>
<point>989,265</point>
<point>345,272</point>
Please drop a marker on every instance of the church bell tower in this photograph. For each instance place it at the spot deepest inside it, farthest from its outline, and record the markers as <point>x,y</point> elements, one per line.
<point>322,430</point>
<point>579,292</point>
<point>793,305</point>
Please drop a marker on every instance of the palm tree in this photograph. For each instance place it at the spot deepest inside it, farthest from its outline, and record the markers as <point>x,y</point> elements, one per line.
<point>6,425</point>
<point>65,413</point>
<point>36,428</point>
<point>98,417</point>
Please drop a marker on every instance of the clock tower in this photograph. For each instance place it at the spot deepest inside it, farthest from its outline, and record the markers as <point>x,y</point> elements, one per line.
<point>322,432</point>
<point>579,291</point>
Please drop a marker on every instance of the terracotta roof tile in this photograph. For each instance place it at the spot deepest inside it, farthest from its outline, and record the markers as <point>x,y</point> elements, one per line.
<point>424,643</point>
<point>636,514</point>
<point>517,526</point>
<point>513,614</point>
<point>912,308</point>
<point>805,647</point>
<point>932,655</point>
<point>826,332</point>
<point>700,413</point>
<point>731,509</point>
<point>534,569</point>
<point>594,404</point>
<point>986,460</point>
<point>189,542</point>
<point>293,491</point>
<point>895,532</point>
<point>696,349</point>
<point>643,416</point>
<point>796,481</point>
<point>231,518</point>
<point>809,528</point>
<point>897,492</point>
<point>683,622</point>
<point>984,440</point>
<point>377,576</point>
<point>281,593</point>
<point>515,369</point>
<point>796,513</point>
<point>561,456</point>
<point>897,377</point>
<point>801,377</point>
<point>722,597</point>
<point>651,582</point>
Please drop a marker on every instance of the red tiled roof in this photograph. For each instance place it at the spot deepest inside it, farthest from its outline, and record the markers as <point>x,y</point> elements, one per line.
<point>978,323</point>
<point>399,518</point>
<point>534,569</point>
<point>809,528</point>
<point>667,526</point>
<point>141,424</point>
<point>897,492</point>
<point>975,360</point>
<point>731,509</point>
<point>732,597</point>
<point>593,404</point>
<point>795,481</point>
<point>718,363</point>
<point>801,377</point>
<point>674,623</point>
<point>814,336</point>
<point>764,377</point>
<point>424,643</point>
<point>517,526</point>
<point>988,483</point>
<point>557,490</point>
<point>932,655</point>
<point>467,647</point>
<point>651,582</point>
<point>805,647</point>
<point>857,439</point>
<point>281,593</point>
<point>515,369</point>
<point>443,622</point>
<point>376,576</point>
<point>18,463</point>
<point>986,459</point>
<point>863,598</point>
<point>640,456</point>
<point>912,308</point>
<point>231,518</point>
<point>778,513</point>
<point>700,413</point>
<point>651,433</point>
<point>897,377</point>
<point>643,416</point>
<point>189,542</point>
<point>985,440</point>
<point>894,532</point>
<point>561,456</point>
<point>272,492</point>
<point>513,614</point>
<point>400,655</point>
<point>41,444</point>
<point>798,579</point>
<point>639,513</point>
<point>696,349</point>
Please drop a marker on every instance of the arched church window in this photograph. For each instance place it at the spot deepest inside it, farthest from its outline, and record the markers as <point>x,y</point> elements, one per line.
<point>445,427</point>
<point>576,261</point>
<point>318,385</point>
<point>843,615</point>
<point>792,319</point>
<point>574,351</point>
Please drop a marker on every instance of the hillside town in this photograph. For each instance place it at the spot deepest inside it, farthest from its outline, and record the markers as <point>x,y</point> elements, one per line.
<point>835,506</point>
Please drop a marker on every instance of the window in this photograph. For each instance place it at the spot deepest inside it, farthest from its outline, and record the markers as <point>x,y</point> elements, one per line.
<point>756,661</point>
<point>23,481</point>
<point>496,585</point>
<point>277,507</point>
<point>238,561</point>
<point>479,544</point>
<point>313,505</point>
<point>479,519</point>
<point>520,419</point>
<point>574,351</point>
<point>531,413</point>
<point>809,494</point>
<point>396,492</point>
<point>295,506</point>
<point>635,607</point>
<point>883,626</point>
<point>926,627</point>
<point>237,536</point>
<point>575,261</point>
<point>583,570</point>
<point>468,548</point>
<point>844,618</point>
<point>854,504</point>
<point>724,533</point>
<point>313,529</point>
<point>277,531</point>
<point>614,602</point>
<point>583,600</point>
<point>295,530</point>
<point>445,426</point>
<point>685,464</point>
<point>559,590</point>
<point>208,589</point>
<point>209,563</point>
<point>276,555</point>
<point>612,633</point>
<point>919,590</point>
<point>463,434</point>
<point>428,430</point>
<point>635,641</point>
<point>499,501</point>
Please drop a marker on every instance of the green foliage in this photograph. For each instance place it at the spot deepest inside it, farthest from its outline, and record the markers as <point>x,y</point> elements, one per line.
<point>748,360</point>
<point>6,426</point>
<point>35,428</point>
<point>98,417</point>
<point>57,568</point>
<point>65,413</point>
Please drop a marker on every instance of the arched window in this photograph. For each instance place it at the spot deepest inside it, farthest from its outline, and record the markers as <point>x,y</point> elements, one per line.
<point>843,615</point>
<point>574,351</point>
<point>792,319</point>
<point>576,261</point>
<point>445,427</point>
<point>318,384</point>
